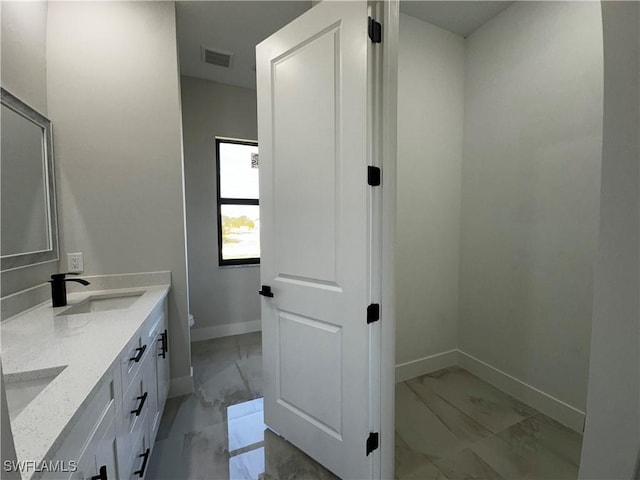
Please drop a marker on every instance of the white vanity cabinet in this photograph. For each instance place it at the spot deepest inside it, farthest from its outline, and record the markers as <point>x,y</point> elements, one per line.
<point>141,453</point>
<point>113,436</point>
<point>155,378</point>
<point>106,453</point>
<point>143,401</point>
<point>99,460</point>
<point>158,371</point>
<point>91,442</point>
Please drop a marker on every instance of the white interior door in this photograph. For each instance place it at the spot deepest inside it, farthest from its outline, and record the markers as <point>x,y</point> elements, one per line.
<point>316,237</point>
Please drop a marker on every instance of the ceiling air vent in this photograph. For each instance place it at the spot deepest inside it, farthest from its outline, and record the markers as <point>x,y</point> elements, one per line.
<point>217,57</point>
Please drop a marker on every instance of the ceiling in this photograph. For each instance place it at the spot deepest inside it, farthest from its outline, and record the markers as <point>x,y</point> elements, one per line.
<point>458,17</point>
<point>238,26</point>
<point>230,26</point>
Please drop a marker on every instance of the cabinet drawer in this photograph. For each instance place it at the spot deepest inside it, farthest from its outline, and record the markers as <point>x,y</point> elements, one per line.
<point>162,371</point>
<point>131,358</point>
<point>141,458</point>
<point>154,322</point>
<point>140,345</point>
<point>107,453</point>
<point>138,402</point>
<point>100,406</point>
<point>100,452</point>
<point>135,404</point>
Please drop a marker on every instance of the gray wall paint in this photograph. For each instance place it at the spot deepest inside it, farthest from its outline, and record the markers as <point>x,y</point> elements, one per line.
<point>530,193</point>
<point>430,119</point>
<point>114,100</point>
<point>24,52</point>
<point>24,74</point>
<point>612,435</point>
<point>218,296</point>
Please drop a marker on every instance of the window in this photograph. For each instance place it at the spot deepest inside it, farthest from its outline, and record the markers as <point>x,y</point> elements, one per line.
<point>238,202</point>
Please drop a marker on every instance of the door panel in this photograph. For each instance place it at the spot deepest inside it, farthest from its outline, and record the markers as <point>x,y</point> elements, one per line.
<point>305,343</point>
<point>305,189</point>
<point>313,88</point>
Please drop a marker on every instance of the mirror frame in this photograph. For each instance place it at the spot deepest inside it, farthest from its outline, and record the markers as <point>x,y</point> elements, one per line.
<point>21,260</point>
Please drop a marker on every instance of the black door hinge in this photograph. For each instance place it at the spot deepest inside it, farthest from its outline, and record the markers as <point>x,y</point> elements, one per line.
<point>373,313</point>
<point>375,31</point>
<point>372,442</point>
<point>373,176</point>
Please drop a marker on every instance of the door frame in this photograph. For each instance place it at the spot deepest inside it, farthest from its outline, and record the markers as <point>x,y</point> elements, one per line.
<point>381,133</point>
<point>386,86</point>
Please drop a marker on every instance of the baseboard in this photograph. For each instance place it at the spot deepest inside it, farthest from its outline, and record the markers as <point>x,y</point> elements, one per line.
<point>557,409</point>
<point>422,366</point>
<point>217,331</point>
<point>181,385</point>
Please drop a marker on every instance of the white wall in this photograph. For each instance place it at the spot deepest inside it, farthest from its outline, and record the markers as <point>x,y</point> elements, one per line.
<point>114,99</point>
<point>430,119</point>
<point>530,193</point>
<point>24,50</point>
<point>24,74</point>
<point>223,300</point>
<point>612,435</point>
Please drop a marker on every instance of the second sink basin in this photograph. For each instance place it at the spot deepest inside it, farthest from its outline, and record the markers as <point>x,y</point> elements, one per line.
<point>103,303</point>
<point>21,388</point>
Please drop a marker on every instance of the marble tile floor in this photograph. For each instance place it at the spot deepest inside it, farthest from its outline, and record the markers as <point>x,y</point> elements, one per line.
<point>452,425</point>
<point>217,432</point>
<point>449,425</point>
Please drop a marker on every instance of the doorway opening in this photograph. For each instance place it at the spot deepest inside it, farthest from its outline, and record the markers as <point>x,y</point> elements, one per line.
<point>499,155</point>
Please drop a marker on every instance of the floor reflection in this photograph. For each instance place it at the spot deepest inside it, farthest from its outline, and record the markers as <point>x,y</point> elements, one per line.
<point>218,432</point>
<point>245,435</point>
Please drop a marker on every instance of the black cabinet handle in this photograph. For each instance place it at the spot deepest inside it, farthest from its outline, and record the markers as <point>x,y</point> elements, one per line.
<point>138,410</point>
<point>102,475</point>
<point>164,347</point>
<point>162,350</point>
<point>138,355</point>
<point>140,472</point>
<point>165,337</point>
<point>266,291</point>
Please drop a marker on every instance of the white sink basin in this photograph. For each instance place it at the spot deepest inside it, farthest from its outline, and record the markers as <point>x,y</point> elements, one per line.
<point>22,387</point>
<point>103,303</point>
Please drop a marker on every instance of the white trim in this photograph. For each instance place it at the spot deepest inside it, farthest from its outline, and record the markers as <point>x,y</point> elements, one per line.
<point>217,331</point>
<point>181,386</point>
<point>233,139</point>
<point>560,411</point>
<point>390,33</point>
<point>545,403</point>
<point>422,366</point>
<point>374,122</point>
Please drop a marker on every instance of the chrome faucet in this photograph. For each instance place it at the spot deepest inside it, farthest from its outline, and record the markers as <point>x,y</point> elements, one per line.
<point>59,288</point>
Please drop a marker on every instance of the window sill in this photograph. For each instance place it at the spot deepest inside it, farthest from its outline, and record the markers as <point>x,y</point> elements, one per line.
<point>244,265</point>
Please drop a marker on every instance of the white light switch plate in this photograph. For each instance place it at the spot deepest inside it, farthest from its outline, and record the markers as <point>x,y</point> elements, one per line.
<point>75,262</point>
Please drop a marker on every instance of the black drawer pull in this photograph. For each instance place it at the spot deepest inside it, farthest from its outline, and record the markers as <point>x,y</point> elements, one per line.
<point>165,337</point>
<point>139,355</point>
<point>265,291</point>
<point>164,347</point>
<point>140,472</point>
<point>138,410</point>
<point>102,475</point>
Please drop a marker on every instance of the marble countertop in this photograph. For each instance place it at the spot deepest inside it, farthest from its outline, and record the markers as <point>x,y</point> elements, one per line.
<point>86,345</point>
